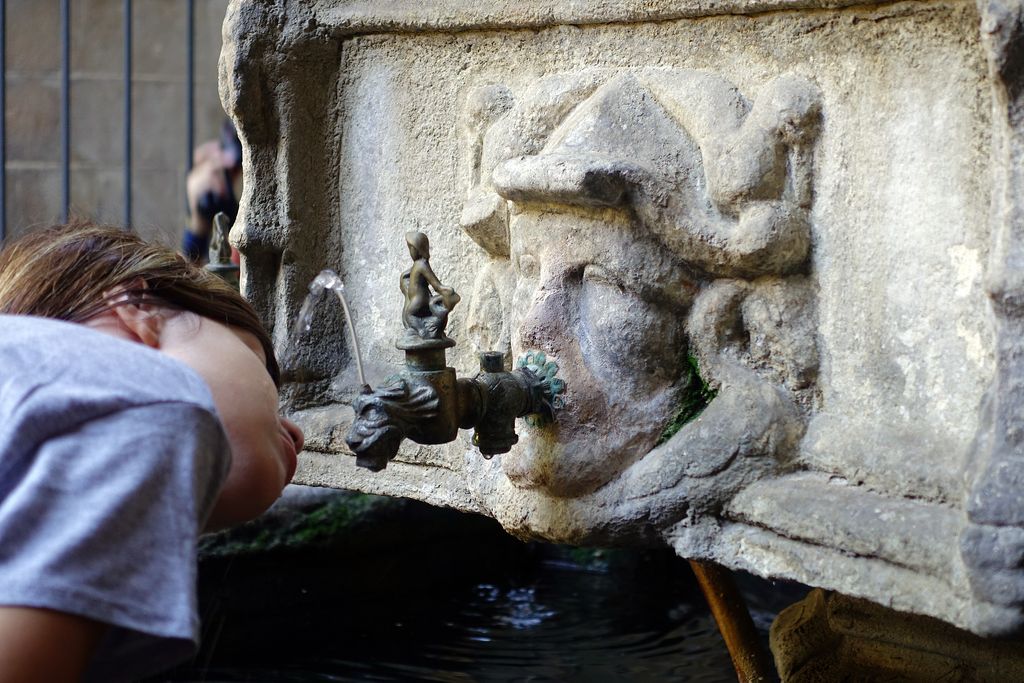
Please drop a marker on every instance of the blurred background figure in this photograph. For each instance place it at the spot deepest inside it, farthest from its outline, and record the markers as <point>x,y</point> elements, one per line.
<point>213,186</point>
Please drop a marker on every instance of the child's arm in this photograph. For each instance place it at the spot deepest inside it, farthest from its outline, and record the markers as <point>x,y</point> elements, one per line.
<point>41,645</point>
<point>103,524</point>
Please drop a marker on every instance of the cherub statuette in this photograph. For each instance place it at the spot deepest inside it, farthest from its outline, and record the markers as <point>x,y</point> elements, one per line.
<point>424,315</point>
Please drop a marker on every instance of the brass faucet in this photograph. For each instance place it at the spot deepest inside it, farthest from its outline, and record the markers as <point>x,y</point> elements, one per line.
<point>426,402</point>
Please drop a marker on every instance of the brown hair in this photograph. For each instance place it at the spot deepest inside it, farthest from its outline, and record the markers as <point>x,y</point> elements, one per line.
<point>64,272</point>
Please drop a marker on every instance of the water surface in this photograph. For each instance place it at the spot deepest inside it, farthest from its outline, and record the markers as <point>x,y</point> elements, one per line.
<point>481,608</point>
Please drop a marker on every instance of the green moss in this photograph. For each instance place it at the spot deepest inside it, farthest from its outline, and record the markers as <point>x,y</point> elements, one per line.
<point>330,521</point>
<point>695,398</point>
<point>334,521</point>
<point>592,558</point>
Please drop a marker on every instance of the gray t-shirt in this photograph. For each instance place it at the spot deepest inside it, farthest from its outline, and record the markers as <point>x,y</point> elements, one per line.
<point>111,456</point>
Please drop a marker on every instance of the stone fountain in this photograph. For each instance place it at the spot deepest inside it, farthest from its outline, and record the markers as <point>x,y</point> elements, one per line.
<point>808,211</point>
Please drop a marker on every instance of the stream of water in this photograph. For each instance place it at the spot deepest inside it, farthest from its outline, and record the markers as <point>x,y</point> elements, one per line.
<point>325,281</point>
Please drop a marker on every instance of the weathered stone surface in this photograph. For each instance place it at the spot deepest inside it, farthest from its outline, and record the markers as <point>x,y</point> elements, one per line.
<point>156,190</point>
<point>42,190</point>
<point>32,48</point>
<point>33,120</point>
<point>817,206</point>
<point>93,127</point>
<point>829,637</point>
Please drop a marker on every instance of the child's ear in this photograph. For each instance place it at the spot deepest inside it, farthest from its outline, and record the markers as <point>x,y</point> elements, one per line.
<point>143,320</point>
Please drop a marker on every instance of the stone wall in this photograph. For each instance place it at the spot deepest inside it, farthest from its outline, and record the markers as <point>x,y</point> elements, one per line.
<point>159,152</point>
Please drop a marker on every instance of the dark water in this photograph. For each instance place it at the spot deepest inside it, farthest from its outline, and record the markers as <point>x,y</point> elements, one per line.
<point>483,609</point>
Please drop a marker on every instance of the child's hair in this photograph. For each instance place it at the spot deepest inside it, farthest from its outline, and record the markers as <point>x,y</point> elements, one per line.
<point>68,271</point>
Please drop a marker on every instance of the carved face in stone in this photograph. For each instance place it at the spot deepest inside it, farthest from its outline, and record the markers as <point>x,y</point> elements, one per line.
<point>610,310</point>
<point>616,198</point>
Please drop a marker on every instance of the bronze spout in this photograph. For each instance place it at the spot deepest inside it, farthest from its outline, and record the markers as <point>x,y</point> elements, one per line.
<point>427,403</point>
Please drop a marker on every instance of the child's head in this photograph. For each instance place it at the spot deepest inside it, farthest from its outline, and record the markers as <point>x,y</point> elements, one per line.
<point>68,272</point>
<point>111,280</point>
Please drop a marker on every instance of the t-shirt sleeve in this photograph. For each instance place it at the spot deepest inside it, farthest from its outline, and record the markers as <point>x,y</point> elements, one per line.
<point>102,522</point>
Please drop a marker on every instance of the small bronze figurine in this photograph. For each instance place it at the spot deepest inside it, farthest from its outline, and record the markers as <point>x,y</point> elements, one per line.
<point>220,251</point>
<point>424,316</point>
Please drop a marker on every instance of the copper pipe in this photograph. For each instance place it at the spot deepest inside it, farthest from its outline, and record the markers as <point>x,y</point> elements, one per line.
<point>734,623</point>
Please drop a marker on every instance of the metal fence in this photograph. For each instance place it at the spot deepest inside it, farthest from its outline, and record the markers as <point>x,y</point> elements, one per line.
<point>65,105</point>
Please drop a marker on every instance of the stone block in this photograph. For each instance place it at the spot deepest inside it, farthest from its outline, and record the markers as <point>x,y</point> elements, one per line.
<point>97,122</point>
<point>209,112</point>
<point>159,50</point>
<point>33,36</point>
<point>98,195</point>
<point>33,198</point>
<point>33,119</point>
<point>209,22</point>
<point>158,131</point>
<point>97,37</point>
<point>158,205</point>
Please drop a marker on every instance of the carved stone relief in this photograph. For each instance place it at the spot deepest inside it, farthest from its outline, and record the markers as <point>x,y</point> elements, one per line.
<point>643,219</point>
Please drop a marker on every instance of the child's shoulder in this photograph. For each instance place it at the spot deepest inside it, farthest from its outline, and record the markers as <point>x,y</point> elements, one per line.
<point>62,363</point>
